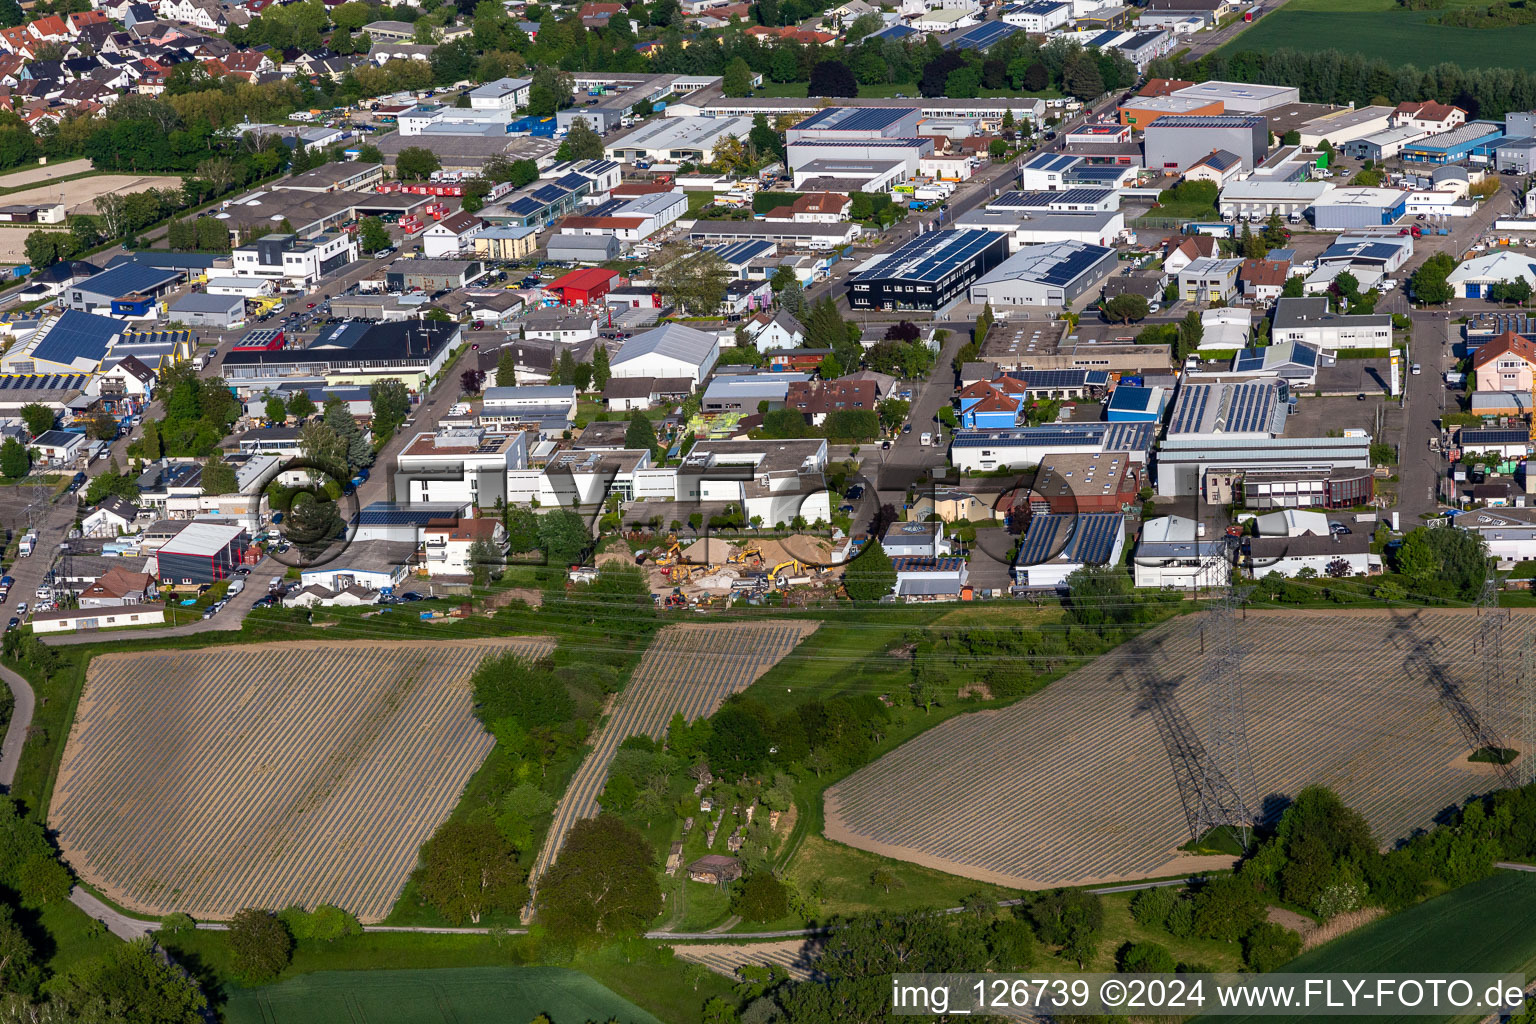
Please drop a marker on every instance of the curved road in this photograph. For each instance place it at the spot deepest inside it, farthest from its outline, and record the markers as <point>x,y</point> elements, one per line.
<point>16,732</point>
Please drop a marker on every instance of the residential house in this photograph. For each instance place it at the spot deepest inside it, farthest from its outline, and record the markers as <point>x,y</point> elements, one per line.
<point>448,548</point>
<point>1263,280</point>
<point>1507,363</point>
<point>112,517</point>
<point>818,399</point>
<point>1181,251</point>
<point>781,330</point>
<point>118,587</point>
<point>1429,116</point>
<point>450,235</point>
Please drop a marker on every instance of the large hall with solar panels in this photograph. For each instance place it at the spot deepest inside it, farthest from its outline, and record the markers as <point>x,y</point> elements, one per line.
<point>929,272</point>
<point>1056,275</point>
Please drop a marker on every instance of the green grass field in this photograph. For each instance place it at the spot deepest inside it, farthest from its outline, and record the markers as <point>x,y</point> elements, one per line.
<point>1380,28</point>
<point>1483,927</point>
<point>429,997</point>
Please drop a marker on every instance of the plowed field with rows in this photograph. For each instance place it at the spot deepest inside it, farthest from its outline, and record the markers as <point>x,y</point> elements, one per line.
<point>1079,783</point>
<point>689,669</point>
<point>268,775</point>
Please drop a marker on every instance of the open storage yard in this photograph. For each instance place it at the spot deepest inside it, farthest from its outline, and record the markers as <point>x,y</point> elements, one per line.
<point>689,669</point>
<point>268,775</point>
<point>79,195</point>
<point>1077,784</point>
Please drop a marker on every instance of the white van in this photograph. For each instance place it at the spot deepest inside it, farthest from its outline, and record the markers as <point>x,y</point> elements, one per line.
<point>927,440</point>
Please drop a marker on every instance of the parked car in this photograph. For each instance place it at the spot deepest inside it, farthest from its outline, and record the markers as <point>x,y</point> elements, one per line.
<point>411,595</point>
<point>12,624</point>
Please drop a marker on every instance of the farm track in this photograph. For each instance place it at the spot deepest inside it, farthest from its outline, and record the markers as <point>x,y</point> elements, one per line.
<point>690,669</point>
<point>262,776</point>
<point>1076,786</point>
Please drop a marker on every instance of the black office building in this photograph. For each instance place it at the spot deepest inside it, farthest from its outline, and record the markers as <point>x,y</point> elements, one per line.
<point>930,271</point>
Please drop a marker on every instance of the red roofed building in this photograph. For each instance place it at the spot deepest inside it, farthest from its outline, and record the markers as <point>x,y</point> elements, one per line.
<point>17,39</point>
<point>1507,363</point>
<point>813,208</point>
<point>85,18</point>
<point>1428,116</point>
<point>585,287</point>
<point>799,35</point>
<point>446,545</point>
<point>1263,279</point>
<point>817,398</point>
<point>1162,86</point>
<point>49,29</point>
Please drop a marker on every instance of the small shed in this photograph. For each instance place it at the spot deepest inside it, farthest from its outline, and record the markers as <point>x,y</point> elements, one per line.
<point>715,868</point>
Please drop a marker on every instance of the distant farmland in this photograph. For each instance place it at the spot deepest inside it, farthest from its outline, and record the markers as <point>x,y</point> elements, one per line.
<point>1482,927</point>
<point>268,775</point>
<point>1077,784</point>
<point>1382,28</point>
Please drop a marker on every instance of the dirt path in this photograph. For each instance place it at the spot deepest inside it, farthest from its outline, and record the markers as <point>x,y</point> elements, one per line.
<point>47,172</point>
<point>16,731</point>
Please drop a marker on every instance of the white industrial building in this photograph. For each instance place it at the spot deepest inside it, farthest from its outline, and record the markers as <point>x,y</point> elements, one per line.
<point>678,139</point>
<point>1024,227</point>
<point>1056,274</point>
<point>1259,198</point>
<point>1242,97</point>
<point>459,465</point>
<point>1171,553</point>
<point>1017,447</point>
<point>1188,466</point>
<point>1345,125</point>
<point>671,350</point>
<point>1310,320</point>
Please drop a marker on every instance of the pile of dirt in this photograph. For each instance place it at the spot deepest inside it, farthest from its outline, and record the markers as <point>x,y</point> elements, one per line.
<point>808,548</point>
<point>773,553</point>
<point>709,551</point>
<point>615,552</point>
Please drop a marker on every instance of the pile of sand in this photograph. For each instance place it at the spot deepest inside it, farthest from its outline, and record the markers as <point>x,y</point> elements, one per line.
<point>709,551</point>
<point>809,548</point>
<point>615,552</point>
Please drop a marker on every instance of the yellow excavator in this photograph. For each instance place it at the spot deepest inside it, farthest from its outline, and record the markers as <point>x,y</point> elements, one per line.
<point>671,555</point>
<point>745,555</point>
<point>776,573</point>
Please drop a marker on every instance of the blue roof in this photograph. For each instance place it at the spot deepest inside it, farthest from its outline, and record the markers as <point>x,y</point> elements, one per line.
<point>1051,161</point>
<point>737,253</point>
<point>126,278</point>
<point>391,513</point>
<point>933,255</point>
<point>980,37</point>
<point>1127,398</point>
<point>1494,435</point>
<point>893,32</point>
<point>1061,378</point>
<point>161,259</point>
<point>856,119</point>
<point>77,335</point>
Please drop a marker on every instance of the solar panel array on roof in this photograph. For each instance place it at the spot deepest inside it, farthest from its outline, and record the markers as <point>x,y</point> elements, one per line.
<point>1093,539</point>
<point>855,119</point>
<point>388,513</point>
<point>1065,270</point>
<point>76,335</point>
<point>923,563</point>
<point>1495,435</point>
<point>988,33</point>
<point>126,278</point>
<point>42,381</point>
<point>1044,539</point>
<point>1050,162</point>
<point>1111,437</point>
<point>1055,378</point>
<point>1050,200</point>
<point>932,256</point>
<point>1208,121</point>
<point>1239,408</point>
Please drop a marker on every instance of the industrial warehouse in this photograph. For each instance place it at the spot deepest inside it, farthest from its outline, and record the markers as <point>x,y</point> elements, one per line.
<point>928,272</point>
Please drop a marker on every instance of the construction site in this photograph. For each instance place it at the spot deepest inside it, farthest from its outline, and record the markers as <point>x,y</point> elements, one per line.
<point>712,570</point>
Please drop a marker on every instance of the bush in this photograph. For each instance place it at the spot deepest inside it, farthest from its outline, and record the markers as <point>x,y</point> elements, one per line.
<point>1181,919</point>
<point>1267,946</point>
<point>1226,908</point>
<point>261,944</point>
<point>760,898</point>
<point>1150,908</point>
<point>1145,958</point>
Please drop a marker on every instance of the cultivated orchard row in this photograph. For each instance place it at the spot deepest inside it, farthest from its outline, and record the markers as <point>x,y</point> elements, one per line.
<point>269,775</point>
<point>1079,783</point>
<point>688,670</point>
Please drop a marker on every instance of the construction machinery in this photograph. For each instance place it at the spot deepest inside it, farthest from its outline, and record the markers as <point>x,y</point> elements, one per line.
<point>746,555</point>
<point>791,568</point>
<point>671,555</point>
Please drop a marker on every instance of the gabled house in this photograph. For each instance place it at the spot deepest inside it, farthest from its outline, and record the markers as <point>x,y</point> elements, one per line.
<point>49,29</point>
<point>1507,363</point>
<point>1181,251</point>
<point>118,587</point>
<point>1429,116</point>
<point>111,518</point>
<point>781,330</point>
